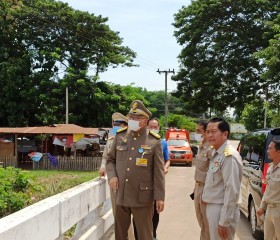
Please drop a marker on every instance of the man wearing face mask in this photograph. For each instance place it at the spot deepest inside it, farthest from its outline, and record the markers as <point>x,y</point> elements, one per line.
<point>135,168</point>
<point>153,124</point>
<point>202,164</point>
<point>119,121</point>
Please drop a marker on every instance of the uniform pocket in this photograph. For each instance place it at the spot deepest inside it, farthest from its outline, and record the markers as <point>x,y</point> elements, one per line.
<point>275,181</point>
<point>146,192</point>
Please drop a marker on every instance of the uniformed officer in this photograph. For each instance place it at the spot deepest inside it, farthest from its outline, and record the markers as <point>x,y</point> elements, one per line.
<point>223,180</point>
<point>271,198</point>
<point>135,169</point>
<point>118,121</point>
<point>201,167</point>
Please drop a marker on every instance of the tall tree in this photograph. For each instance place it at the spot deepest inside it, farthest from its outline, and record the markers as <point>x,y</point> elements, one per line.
<point>218,39</point>
<point>45,47</point>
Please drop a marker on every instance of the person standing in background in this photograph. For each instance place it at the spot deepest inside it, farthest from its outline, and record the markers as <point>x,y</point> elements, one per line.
<point>201,167</point>
<point>271,198</point>
<point>222,185</point>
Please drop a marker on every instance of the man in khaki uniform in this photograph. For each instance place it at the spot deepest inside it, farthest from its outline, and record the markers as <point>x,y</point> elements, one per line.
<point>271,198</point>
<point>223,180</point>
<point>201,167</point>
<point>135,169</point>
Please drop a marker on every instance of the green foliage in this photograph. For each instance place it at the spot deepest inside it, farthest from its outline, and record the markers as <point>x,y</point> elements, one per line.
<point>179,121</point>
<point>13,186</point>
<point>218,68</point>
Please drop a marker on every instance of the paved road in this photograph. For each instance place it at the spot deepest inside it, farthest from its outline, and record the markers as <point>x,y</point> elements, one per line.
<point>178,221</point>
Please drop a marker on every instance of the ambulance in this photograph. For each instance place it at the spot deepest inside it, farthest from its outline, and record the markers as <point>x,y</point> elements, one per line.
<point>178,141</point>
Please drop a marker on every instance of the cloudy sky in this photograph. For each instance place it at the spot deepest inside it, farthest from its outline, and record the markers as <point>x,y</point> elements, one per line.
<point>146,27</point>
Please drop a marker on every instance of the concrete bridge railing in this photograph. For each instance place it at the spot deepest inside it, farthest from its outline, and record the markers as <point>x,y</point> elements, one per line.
<point>87,205</point>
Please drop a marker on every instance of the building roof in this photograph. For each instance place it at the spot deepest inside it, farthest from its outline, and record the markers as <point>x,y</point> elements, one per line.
<point>54,129</point>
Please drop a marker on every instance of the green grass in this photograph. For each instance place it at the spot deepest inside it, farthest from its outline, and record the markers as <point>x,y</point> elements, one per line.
<point>52,182</point>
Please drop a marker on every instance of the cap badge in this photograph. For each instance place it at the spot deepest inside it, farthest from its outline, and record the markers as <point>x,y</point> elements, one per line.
<point>134,105</point>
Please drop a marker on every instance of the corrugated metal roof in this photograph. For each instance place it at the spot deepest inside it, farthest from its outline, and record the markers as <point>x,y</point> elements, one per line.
<point>54,129</point>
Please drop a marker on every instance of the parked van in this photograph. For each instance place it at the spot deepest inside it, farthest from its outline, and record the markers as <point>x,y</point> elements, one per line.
<point>253,150</point>
<point>178,146</point>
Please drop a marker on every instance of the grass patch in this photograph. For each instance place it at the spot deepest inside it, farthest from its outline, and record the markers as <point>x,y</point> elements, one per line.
<point>47,183</point>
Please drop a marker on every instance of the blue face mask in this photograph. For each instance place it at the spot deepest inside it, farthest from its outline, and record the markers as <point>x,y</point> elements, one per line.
<point>115,129</point>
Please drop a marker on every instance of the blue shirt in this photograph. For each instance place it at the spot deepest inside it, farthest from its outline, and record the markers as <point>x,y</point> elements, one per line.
<point>165,150</point>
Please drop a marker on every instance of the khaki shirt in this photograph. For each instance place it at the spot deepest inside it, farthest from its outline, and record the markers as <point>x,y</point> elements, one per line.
<point>272,192</point>
<point>202,162</point>
<point>106,150</point>
<point>222,185</point>
<point>136,159</point>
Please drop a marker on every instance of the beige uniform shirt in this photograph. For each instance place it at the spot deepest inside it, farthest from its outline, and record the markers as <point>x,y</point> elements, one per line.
<point>272,192</point>
<point>202,162</point>
<point>106,150</point>
<point>222,185</point>
<point>136,159</point>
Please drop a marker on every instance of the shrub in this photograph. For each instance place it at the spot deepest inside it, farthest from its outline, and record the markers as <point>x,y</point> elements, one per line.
<point>13,185</point>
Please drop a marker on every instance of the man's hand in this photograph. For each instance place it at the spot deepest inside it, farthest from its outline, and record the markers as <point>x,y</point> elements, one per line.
<point>159,205</point>
<point>223,232</point>
<point>102,172</point>
<point>260,212</point>
<point>114,184</point>
<point>165,170</point>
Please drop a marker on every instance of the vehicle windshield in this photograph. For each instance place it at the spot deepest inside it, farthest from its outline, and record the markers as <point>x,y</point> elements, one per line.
<point>180,143</point>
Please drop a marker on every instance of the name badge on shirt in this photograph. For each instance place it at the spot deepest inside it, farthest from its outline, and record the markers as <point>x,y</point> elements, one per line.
<point>142,162</point>
<point>146,147</point>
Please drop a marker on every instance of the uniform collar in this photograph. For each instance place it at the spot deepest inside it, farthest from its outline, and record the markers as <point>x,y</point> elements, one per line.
<point>221,149</point>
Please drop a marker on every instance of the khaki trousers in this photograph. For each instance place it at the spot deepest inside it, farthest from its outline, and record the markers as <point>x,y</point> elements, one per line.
<point>213,212</point>
<point>143,220</point>
<point>114,200</point>
<point>272,223</point>
<point>200,210</point>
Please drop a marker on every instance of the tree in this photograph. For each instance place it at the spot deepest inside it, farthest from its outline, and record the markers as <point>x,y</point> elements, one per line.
<point>217,64</point>
<point>45,47</point>
<point>253,115</point>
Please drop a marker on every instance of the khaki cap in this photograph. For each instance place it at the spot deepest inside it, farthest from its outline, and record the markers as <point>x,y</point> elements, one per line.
<point>119,117</point>
<point>138,108</point>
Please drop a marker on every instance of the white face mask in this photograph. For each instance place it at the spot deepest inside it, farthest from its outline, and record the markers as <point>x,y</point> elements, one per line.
<point>133,125</point>
<point>198,137</point>
<point>155,130</point>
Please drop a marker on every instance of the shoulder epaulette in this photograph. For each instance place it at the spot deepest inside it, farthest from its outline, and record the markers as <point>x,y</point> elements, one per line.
<point>155,134</point>
<point>121,129</point>
<point>227,152</point>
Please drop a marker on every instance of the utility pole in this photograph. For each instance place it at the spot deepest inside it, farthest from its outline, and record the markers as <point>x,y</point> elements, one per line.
<point>67,111</point>
<point>166,96</point>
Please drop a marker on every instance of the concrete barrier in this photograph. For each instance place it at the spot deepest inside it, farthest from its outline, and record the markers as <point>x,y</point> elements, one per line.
<point>87,205</point>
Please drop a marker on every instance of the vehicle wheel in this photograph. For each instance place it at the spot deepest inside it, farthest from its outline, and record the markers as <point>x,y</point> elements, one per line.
<point>253,221</point>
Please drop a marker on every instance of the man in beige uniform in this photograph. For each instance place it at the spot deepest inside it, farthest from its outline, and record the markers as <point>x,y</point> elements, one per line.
<point>222,185</point>
<point>135,169</point>
<point>118,121</point>
<point>271,198</point>
<point>201,167</point>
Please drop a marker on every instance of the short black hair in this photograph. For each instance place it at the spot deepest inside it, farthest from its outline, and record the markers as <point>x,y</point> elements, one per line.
<point>223,125</point>
<point>277,143</point>
<point>153,119</point>
<point>202,123</point>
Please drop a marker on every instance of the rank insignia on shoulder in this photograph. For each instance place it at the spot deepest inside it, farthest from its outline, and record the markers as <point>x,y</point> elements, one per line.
<point>155,134</point>
<point>227,152</point>
<point>121,129</point>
